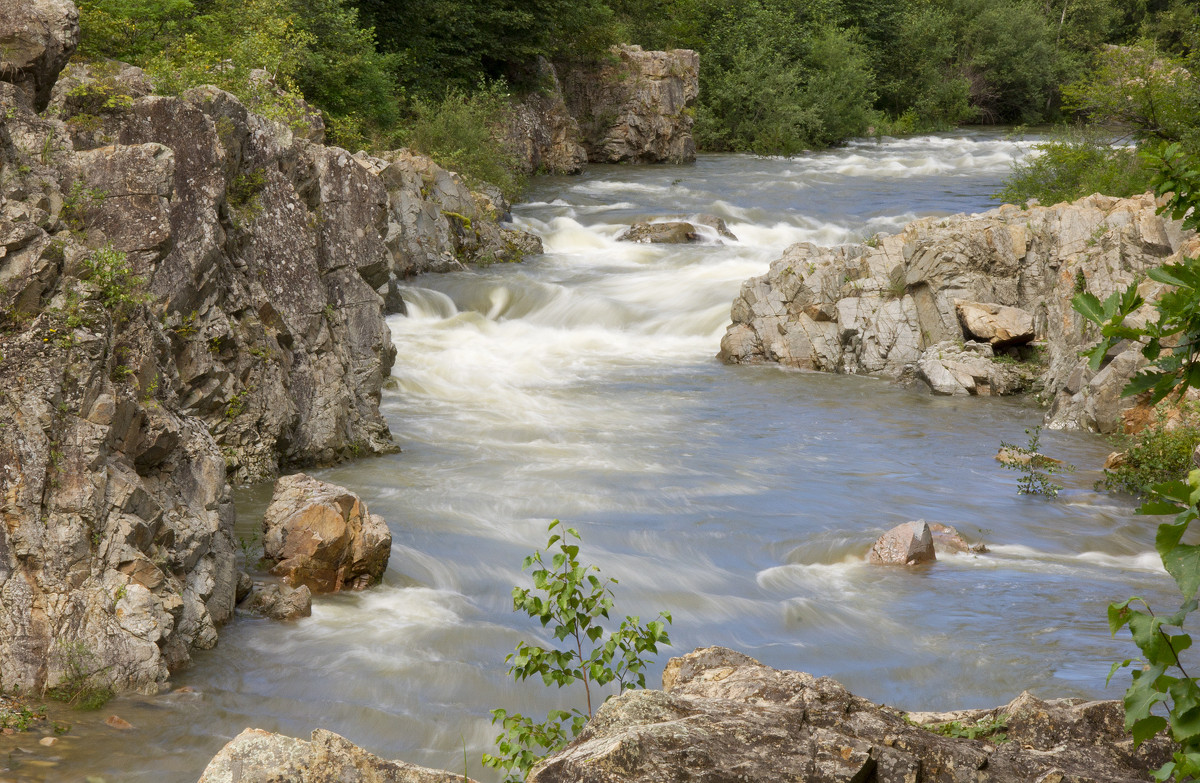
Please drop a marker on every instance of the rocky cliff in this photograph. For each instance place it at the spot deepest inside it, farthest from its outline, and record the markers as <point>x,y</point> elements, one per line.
<point>723,716</point>
<point>190,293</point>
<point>633,107</point>
<point>942,300</point>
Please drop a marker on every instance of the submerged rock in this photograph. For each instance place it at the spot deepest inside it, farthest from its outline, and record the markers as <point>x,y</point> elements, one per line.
<point>321,535</point>
<point>908,544</point>
<point>724,716</point>
<point>257,756</point>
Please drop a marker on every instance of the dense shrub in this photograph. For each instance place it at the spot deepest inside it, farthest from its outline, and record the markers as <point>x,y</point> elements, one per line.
<point>1077,164</point>
<point>1162,452</point>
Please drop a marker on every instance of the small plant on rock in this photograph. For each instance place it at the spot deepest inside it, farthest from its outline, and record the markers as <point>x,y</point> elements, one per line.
<point>109,270</point>
<point>78,686</point>
<point>1036,468</point>
<point>570,599</point>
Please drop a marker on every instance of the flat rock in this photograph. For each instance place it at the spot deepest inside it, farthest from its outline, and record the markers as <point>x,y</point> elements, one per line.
<point>723,716</point>
<point>671,233</point>
<point>908,544</point>
<point>257,756</point>
<point>997,324</point>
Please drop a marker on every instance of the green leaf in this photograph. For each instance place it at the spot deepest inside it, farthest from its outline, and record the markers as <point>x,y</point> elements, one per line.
<point>1087,305</point>
<point>1182,561</point>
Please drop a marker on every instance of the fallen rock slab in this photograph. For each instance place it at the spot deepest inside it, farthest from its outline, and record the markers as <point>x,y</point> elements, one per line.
<point>907,544</point>
<point>257,756</point>
<point>322,536</point>
<point>997,324</point>
<point>723,716</point>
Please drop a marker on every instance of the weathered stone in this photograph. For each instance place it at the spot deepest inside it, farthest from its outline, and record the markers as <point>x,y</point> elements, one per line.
<point>908,544</point>
<point>724,716</point>
<point>635,109</point>
<point>37,37</point>
<point>997,324</point>
<point>321,535</point>
<point>948,539</point>
<point>672,233</point>
<point>892,305</point>
<point>540,131</point>
<point>278,602</point>
<point>257,756</point>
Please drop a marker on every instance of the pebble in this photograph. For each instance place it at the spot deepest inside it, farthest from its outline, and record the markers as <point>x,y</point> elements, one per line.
<point>47,741</point>
<point>118,723</point>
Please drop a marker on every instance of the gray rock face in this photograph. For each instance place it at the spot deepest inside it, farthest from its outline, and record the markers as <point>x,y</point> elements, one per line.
<point>244,333</point>
<point>541,132</point>
<point>257,756</point>
<point>970,369</point>
<point>638,109</point>
<point>908,544</point>
<point>724,716</point>
<point>880,307</point>
<point>37,37</point>
<point>997,324</point>
<point>321,535</point>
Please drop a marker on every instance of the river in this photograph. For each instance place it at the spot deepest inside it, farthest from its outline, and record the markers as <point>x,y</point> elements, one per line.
<point>582,385</point>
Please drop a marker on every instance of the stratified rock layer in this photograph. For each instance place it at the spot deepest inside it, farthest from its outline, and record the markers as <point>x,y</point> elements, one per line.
<point>723,716</point>
<point>891,306</point>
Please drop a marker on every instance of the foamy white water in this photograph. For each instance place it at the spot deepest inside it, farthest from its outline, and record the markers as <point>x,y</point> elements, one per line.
<point>582,385</point>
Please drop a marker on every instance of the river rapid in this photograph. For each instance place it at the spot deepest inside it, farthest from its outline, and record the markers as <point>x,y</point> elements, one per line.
<point>582,385</point>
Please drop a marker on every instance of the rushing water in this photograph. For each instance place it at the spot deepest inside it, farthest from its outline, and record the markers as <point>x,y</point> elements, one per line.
<point>582,385</point>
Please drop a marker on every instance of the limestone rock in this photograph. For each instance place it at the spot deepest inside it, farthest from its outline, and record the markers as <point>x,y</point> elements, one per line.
<point>673,233</point>
<point>37,37</point>
<point>278,602</point>
<point>321,535</point>
<point>257,756</point>
<point>637,108</point>
<point>997,324</point>
<point>724,716</point>
<point>908,544</point>
<point>889,307</point>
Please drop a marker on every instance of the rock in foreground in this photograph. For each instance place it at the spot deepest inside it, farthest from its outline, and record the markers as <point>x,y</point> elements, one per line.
<point>321,535</point>
<point>907,544</point>
<point>723,716</point>
<point>257,756</point>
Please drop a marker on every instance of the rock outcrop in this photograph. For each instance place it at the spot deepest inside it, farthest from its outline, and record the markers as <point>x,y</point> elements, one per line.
<point>189,294</point>
<point>724,716</point>
<point>36,40</point>
<point>278,602</point>
<point>322,536</point>
<point>891,306</point>
<point>257,756</point>
<point>636,108</point>
<point>541,132</point>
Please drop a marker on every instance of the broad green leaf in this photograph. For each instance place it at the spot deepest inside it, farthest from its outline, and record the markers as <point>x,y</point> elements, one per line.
<point>1087,305</point>
<point>1182,561</point>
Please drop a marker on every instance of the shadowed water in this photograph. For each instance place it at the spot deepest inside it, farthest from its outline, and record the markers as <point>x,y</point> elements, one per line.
<point>582,385</point>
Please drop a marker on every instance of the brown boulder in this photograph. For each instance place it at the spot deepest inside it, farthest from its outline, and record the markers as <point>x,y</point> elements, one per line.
<point>321,535</point>
<point>907,544</point>
<point>998,324</point>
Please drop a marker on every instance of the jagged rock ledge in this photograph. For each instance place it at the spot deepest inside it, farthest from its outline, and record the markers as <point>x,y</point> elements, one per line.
<point>190,294</point>
<point>724,716</point>
<point>941,300</point>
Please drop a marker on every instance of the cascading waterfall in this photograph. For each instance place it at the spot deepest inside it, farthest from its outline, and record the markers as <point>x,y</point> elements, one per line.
<point>581,385</point>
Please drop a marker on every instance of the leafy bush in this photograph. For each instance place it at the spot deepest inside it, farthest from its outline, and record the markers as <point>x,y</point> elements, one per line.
<point>1036,468</point>
<point>118,287</point>
<point>459,132</point>
<point>1160,453</point>
<point>79,686</point>
<point>1078,164</point>
<point>570,599</point>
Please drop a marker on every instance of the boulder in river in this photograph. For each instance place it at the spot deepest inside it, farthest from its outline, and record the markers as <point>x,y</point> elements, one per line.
<point>908,544</point>
<point>321,535</point>
<point>724,716</point>
<point>257,756</point>
<point>670,233</point>
<point>278,602</point>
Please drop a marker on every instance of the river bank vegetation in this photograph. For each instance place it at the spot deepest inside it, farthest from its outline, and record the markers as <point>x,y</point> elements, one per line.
<point>777,76</point>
